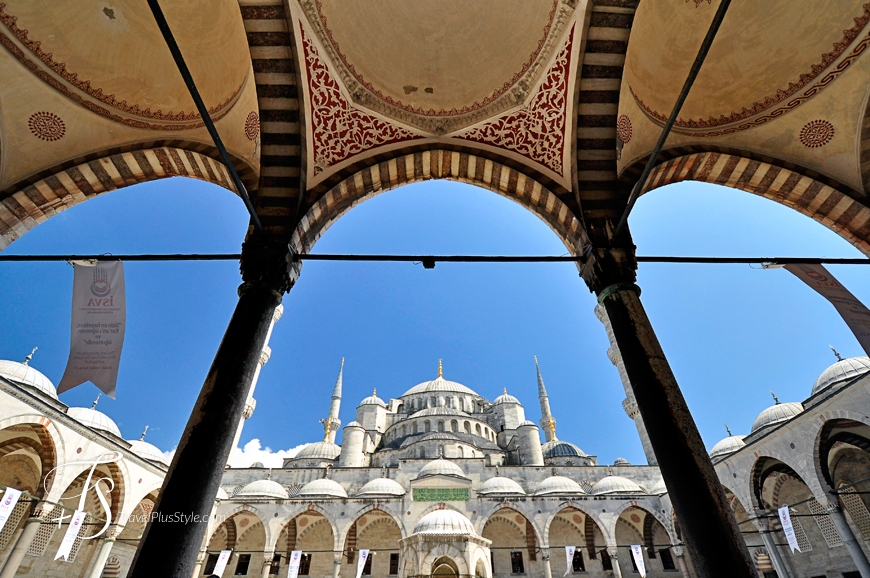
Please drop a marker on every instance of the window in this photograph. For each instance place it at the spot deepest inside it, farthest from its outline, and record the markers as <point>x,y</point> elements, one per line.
<point>477,428</point>
<point>461,404</point>
<point>449,402</point>
<point>433,401</point>
<point>242,565</point>
<point>461,452</point>
<point>606,561</point>
<point>441,426</point>
<point>467,427</point>
<point>305,565</point>
<point>404,430</point>
<point>517,566</point>
<point>454,425</point>
<point>667,559</point>
<point>422,452</point>
<point>394,564</point>
<point>275,567</point>
<point>367,569</point>
<point>577,564</point>
<point>211,563</point>
<point>427,426</point>
<point>851,575</point>
<point>414,427</point>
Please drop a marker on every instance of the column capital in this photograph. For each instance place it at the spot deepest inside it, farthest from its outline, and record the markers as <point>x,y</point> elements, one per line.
<point>677,549</point>
<point>608,266</point>
<point>267,261</point>
<point>613,552</point>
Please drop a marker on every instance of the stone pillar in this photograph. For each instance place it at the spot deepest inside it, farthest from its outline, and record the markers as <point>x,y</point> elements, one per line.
<point>763,525</point>
<point>681,560</point>
<point>708,523</point>
<point>336,567</point>
<point>169,549</point>
<point>545,560</point>
<point>22,544</point>
<point>614,560</point>
<point>200,560</point>
<point>102,557</point>
<point>848,537</point>
<point>267,563</point>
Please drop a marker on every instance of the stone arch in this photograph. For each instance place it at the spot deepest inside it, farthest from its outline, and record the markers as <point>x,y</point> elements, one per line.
<point>444,561</point>
<point>444,551</point>
<point>136,520</point>
<point>772,464</point>
<point>814,196</point>
<point>50,441</point>
<point>377,530</point>
<point>112,569</point>
<point>522,508</point>
<point>382,508</point>
<point>231,530</point>
<point>31,202</point>
<point>510,530</point>
<point>839,425</point>
<point>571,519</point>
<point>439,164</point>
<point>660,518</point>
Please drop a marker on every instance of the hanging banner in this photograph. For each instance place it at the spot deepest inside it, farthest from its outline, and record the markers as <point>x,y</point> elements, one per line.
<point>569,556</point>
<point>293,564</point>
<point>854,313</point>
<point>99,317</point>
<point>788,529</point>
<point>72,532</point>
<point>7,504</point>
<point>363,557</point>
<point>637,554</point>
<point>221,564</point>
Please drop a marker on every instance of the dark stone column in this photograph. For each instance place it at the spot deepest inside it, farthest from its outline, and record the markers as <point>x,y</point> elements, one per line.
<point>169,547</point>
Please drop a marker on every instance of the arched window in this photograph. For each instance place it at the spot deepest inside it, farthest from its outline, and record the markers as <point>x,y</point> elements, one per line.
<point>414,427</point>
<point>448,402</point>
<point>404,430</point>
<point>441,452</point>
<point>433,401</point>
<point>454,425</point>
<point>422,451</point>
<point>461,404</point>
<point>461,452</point>
<point>427,426</point>
<point>477,428</point>
<point>467,427</point>
<point>440,425</point>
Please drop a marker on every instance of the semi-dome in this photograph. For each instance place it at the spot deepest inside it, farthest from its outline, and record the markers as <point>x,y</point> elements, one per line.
<point>500,485</point>
<point>148,451</point>
<point>505,398</point>
<point>373,399</point>
<point>94,419</point>
<point>263,489</point>
<point>561,449</point>
<point>727,446</point>
<point>615,485</point>
<point>382,487</point>
<point>222,494</point>
<point>441,467</point>
<point>776,414</point>
<point>22,373</point>
<point>324,488</point>
<point>443,523</point>
<point>319,451</point>
<point>439,384</point>
<point>558,485</point>
<point>843,370</point>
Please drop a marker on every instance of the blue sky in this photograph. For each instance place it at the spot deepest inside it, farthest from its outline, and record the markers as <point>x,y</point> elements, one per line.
<point>731,332</point>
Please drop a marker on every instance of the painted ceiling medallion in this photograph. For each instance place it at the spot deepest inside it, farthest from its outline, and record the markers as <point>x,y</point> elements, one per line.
<point>536,131</point>
<point>817,133</point>
<point>46,125</point>
<point>623,128</point>
<point>340,130</point>
<point>252,126</point>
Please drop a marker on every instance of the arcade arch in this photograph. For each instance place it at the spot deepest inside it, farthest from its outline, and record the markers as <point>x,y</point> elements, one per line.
<point>377,531</point>
<point>573,527</point>
<point>243,533</point>
<point>515,544</point>
<point>312,533</point>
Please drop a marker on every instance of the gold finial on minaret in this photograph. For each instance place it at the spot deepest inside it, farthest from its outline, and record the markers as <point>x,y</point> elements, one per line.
<point>440,369</point>
<point>551,425</point>
<point>328,428</point>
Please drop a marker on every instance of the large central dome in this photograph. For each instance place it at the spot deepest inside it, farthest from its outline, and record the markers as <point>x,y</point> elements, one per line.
<point>440,384</point>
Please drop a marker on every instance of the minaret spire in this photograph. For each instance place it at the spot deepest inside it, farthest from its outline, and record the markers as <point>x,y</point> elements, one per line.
<point>548,423</point>
<point>332,423</point>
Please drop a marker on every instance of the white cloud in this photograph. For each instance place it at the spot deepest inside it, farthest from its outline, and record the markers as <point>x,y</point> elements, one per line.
<point>253,452</point>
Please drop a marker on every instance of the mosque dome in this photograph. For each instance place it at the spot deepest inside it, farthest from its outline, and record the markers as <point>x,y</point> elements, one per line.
<point>439,384</point>
<point>615,485</point>
<point>22,373</point>
<point>382,487</point>
<point>94,419</point>
<point>561,449</point>
<point>148,451</point>
<point>776,414</point>
<point>263,489</point>
<point>727,446</point>
<point>505,398</point>
<point>354,423</point>
<point>257,465</point>
<point>528,423</point>
<point>843,370</point>
<point>373,399</point>
<point>324,488</point>
<point>621,462</point>
<point>441,467</point>
<point>319,451</point>
<point>444,522</point>
<point>501,485</point>
<point>558,485</point>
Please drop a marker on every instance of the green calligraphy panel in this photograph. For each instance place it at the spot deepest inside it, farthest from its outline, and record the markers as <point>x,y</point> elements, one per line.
<point>440,494</point>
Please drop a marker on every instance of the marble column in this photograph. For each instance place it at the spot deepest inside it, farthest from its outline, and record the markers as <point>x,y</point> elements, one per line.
<point>677,551</point>
<point>763,525</point>
<point>336,566</point>
<point>22,544</point>
<point>848,538</point>
<point>267,564</point>
<point>101,558</point>
<point>200,560</point>
<point>545,560</point>
<point>614,560</point>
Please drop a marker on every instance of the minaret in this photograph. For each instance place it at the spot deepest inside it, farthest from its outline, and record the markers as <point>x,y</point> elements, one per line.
<point>332,423</point>
<point>547,422</point>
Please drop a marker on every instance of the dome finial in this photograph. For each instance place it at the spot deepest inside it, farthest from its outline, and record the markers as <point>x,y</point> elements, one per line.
<point>29,356</point>
<point>440,369</point>
<point>505,391</point>
<point>145,431</point>
<point>728,429</point>
<point>375,392</point>
<point>837,353</point>
<point>776,399</point>
<point>96,401</point>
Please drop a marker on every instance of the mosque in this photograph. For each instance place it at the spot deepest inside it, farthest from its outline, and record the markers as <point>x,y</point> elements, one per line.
<point>440,481</point>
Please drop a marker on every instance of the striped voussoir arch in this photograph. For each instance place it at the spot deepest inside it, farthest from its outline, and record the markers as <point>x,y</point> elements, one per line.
<point>811,197</point>
<point>24,209</point>
<point>600,81</point>
<point>270,40</point>
<point>438,164</point>
<point>865,150</point>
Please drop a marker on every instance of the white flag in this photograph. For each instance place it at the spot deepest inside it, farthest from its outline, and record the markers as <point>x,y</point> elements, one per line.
<point>569,555</point>
<point>222,562</point>
<point>637,554</point>
<point>72,532</point>
<point>363,556</point>
<point>293,565</point>
<point>788,529</point>
<point>854,313</point>
<point>7,504</point>
<point>99,317</point>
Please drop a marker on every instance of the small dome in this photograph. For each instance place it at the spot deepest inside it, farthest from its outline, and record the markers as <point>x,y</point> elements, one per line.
<point>257,465</point>
<point>263,489</point>
<point>659,488</point>
<point>373,399</point>
<point>528,423</point>
<point>500,485</point>
<point>843,370</point>
<point>558,485</point>
<point>727,446</point>
<point>319,451</point>
<point>444,522</point>
<point>324,488</point>
<point>561,449</point>
<point>505,398</point>
<point>222,494</point>
<point>354,424</point>
<point>382,487</point>
<point>148,451</point>
<point>441,467</point>
<point>615,485</point>
<point>776,414</point>
<point>621,462</point>
<point>21,373</point>
<point>93,419</point>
